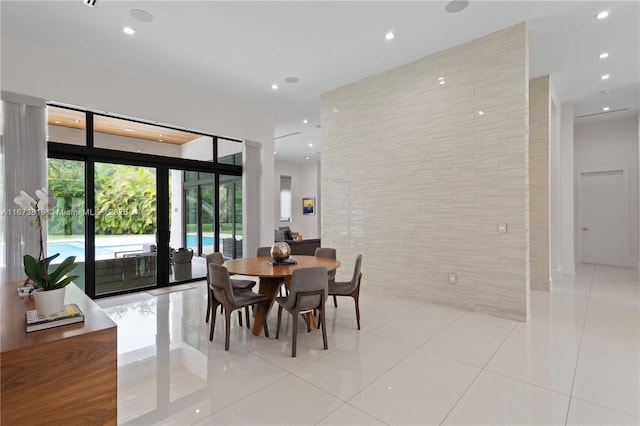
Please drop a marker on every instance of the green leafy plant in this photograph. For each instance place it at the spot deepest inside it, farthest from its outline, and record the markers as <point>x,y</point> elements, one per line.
<point>37,270</point>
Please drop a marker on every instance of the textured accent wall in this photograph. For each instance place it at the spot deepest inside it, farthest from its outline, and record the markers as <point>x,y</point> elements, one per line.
<point>539,181</point>
<point>417,174</point>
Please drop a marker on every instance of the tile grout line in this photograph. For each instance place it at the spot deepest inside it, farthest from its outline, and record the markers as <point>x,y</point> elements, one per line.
<point>584,324</point>
<point>482,369</point>
<point>387,370</point>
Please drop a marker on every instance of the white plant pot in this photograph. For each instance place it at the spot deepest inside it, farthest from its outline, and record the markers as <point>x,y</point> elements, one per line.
<point>49,302</point>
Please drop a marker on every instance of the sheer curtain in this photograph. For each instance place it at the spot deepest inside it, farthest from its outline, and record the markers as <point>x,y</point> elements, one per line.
<point>24,150</point>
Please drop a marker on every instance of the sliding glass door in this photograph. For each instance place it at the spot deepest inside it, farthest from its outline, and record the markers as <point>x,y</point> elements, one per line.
<point>66,225</point>
<point>139,205</point>
<point>125,224</point>
<point>230,208</point>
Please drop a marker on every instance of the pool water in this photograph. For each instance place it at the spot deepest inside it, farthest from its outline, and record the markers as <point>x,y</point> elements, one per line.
<point>76,248</point>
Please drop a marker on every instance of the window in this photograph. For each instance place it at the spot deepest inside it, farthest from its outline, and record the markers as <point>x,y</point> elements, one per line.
<point>127,198</point>
<point>285,198</point>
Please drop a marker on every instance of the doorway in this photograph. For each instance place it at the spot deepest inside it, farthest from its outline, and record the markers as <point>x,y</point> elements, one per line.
<point>603,217</point>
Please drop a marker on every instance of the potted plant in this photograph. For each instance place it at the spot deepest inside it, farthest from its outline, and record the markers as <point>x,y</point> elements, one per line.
<point>48,286</point>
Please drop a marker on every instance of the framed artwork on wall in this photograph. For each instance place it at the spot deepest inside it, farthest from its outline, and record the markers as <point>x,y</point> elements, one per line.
<point>309,205</point>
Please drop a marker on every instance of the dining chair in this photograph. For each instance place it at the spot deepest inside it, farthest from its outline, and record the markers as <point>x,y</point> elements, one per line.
<point>350,288</point>
<point>238,285</point>
<point>263,251</point>
<point>307,291</point>
<point>331,254</point>
<point>266,251</point>
<point>222,293</point>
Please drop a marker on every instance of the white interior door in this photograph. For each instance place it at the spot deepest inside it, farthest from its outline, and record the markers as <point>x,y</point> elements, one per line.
<point>603,227</point>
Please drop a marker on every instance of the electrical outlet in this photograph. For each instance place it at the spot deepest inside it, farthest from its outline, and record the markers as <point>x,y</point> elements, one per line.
<point>502,228</point>
<point>452,278</point>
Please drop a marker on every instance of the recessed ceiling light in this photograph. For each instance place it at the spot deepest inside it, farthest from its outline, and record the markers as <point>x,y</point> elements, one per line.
<point>129,130</point>
<point>137,150</point>
<point>305,121</point>
<point>274,152</point>
<point>310,144</point>
<point>160,140</point>
<point>606,109</point>
<point>603,55</point>
<point>442,82</point>
<point>440,78</point>
<point>306,158</point>
<point>57,122</point>
<point>128,30</point>
<point>605,76</point>
<point>160,134</point>
<point>274,86</point>
<point>141,15</point>
<point>456,6</point>
<point>480,112</point>
<point>389,36</point>
<point>602,14</point>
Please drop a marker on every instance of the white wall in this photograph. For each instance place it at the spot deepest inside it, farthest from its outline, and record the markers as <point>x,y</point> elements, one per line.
<point>33,71</point>
<point>198,149</point>
<point>431,205</point>
<point>304,183</point>
<point>555,199</point>
<point>610,145</point>
<point>566,191</point>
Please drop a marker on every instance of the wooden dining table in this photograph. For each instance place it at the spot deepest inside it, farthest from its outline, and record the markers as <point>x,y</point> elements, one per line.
<point>271,276</point>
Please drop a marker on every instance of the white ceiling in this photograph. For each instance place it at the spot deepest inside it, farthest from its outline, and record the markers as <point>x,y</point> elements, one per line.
<point>236,50</point>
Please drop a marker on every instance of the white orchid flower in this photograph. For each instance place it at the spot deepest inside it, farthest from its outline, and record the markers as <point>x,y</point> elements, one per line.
<point>42,193</point>
<point>25,201</point>
<point>45,201</point>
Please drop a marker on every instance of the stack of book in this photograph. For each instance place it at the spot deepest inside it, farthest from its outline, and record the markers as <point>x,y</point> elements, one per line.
<point>71,314</point>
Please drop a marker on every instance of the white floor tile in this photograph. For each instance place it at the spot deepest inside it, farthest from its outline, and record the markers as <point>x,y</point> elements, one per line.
<point>289,401</point>
<point>419,325</point>
<point>549,363</point>
<point>401,395</point>
<point>610,380</point>
<point>497,400</point>
<point>309,345</point>
<point>585,413</point>
<point>348,415</point>
<point>351,367</point>
<point>472,339</point>
<point>412,363</point>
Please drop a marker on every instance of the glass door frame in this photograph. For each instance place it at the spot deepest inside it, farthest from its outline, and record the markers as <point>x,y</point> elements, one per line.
<point>198,184</point>
<point>91,155</point>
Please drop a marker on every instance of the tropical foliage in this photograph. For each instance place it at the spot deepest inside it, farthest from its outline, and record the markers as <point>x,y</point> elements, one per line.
<point>125,199</point>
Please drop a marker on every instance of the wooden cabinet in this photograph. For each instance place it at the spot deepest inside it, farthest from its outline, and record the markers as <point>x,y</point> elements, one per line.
<point>64,375</point>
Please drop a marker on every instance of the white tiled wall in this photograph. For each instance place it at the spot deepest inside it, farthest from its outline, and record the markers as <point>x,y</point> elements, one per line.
<point>539,181</point>
<point>417,180</point>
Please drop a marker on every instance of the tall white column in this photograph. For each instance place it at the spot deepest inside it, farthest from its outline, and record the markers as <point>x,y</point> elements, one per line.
<point>251,193</point>
<point>567,192</point>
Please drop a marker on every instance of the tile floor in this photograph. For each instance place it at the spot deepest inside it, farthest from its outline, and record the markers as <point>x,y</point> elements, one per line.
<point>575,362</point>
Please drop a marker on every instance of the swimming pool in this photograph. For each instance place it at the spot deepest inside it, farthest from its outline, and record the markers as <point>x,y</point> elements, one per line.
<point>192,241</point>
<point>76,248</point>
<point>107,249</point>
